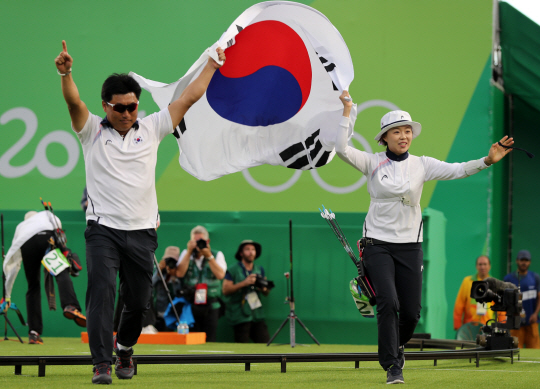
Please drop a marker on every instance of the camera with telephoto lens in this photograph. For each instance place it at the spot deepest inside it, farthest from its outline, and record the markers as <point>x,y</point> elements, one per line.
<point>506,297</point>
<point>260,283</point>
<point>170,262</point>
<point>201,244</point>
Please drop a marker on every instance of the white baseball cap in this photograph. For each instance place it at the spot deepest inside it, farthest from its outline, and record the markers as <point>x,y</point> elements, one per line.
<point>395,119</point>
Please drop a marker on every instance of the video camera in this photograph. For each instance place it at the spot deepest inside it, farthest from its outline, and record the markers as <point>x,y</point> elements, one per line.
<point>506,298</point>
<point>262,283</point>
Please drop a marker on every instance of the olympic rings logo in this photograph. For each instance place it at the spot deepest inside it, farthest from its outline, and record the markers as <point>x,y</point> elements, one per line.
<point>324,185</point>
<point>39,161</point>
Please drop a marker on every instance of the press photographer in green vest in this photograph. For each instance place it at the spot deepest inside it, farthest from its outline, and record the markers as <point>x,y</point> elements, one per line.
<point>244,285</point>
<point>202,270</point>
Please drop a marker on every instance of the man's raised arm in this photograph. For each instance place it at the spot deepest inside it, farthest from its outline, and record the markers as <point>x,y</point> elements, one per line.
<point>77,108</point>
<point>195,90</point>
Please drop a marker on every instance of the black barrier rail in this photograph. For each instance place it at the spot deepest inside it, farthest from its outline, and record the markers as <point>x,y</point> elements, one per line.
<point>247,359</point>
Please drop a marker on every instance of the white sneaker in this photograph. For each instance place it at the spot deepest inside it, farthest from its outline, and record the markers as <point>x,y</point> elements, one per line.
<point>149,329</point>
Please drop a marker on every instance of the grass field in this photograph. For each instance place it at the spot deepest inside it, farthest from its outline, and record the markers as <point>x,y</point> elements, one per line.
<point>492,373</point>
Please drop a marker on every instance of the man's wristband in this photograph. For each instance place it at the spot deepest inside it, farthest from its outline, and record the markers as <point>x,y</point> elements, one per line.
<point>209,258</point>
<point>63,75</point>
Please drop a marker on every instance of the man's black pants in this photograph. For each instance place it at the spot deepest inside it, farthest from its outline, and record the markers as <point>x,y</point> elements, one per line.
<point>395,271</point>
<point>206,320</point>
<point>32,252</point>
<point>256,330</point>
<point>109,251</point>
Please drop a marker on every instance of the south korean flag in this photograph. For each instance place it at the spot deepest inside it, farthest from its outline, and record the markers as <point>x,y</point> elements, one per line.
<point>274,101</point>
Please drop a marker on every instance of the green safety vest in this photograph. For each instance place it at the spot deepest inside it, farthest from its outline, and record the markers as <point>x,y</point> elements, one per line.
<point>195,276</point>
<point>237,308</point>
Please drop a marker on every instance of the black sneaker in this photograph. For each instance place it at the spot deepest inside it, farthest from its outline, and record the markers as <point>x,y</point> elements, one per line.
<point>394,375</point>
<point>123,368</point>
<point>401,357</point>
<point>102,374</point>
<point>34,338</point>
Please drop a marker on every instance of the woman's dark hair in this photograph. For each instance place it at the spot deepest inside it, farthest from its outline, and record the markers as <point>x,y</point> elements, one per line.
<point>119,84</point>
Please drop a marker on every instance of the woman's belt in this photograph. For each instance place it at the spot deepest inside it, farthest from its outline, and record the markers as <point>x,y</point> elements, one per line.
<point>406,200</point>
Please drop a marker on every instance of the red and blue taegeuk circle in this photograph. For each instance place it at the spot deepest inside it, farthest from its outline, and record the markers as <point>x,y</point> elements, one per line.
<point>266,78</point>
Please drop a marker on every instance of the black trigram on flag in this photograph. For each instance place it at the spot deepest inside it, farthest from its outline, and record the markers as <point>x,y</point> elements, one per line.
<point>328,66</point>
<point>298,156</point>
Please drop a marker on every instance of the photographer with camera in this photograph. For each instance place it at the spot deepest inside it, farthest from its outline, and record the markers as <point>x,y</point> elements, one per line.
<point>244,285</point>
<point>529,284</point>
<point>202,270</point>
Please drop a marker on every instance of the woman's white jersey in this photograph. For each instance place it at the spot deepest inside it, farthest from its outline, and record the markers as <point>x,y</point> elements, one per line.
<point>395,187</point>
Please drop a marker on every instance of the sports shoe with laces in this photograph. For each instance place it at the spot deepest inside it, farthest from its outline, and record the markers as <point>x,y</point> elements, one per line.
<point>73,313</point>
<point>394,375</point>
<point>102,374</point>
<point>401,357</point>
<point>34,338</point>
<point>123,367</point>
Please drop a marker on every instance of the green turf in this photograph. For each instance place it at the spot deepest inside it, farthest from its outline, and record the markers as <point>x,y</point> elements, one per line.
<point>494,373</point>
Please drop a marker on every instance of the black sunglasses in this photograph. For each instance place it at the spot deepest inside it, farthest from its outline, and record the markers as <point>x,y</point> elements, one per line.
<point>122,108</point>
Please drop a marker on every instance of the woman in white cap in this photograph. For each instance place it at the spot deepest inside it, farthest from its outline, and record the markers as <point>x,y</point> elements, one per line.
<point>393,227</point>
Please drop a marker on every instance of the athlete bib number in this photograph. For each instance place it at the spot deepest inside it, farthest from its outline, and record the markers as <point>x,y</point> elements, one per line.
<point>55,262</point>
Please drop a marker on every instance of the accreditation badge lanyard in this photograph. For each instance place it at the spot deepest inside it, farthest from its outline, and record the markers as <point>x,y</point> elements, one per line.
<point>201,288</point>
<point>252,297</point>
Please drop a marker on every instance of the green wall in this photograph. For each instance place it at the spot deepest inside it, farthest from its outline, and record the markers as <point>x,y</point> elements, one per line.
<point>466,202</point>
<point>406,53</point>
<point>525,185</point>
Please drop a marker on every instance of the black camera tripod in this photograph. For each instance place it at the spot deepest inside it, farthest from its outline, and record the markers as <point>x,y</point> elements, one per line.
<point>292,317</point>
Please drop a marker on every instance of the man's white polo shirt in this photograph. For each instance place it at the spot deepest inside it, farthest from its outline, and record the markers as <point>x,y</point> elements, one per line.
<point>121,173</point>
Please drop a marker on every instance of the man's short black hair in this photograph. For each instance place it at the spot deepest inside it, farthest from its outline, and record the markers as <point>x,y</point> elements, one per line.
<point>119,84</point>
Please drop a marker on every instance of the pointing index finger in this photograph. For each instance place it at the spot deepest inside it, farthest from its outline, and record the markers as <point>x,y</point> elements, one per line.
<point>64,47</point>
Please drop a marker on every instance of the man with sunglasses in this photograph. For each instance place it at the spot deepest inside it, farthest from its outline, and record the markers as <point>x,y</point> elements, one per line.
<point>120,154</point>
<point>529,285</point>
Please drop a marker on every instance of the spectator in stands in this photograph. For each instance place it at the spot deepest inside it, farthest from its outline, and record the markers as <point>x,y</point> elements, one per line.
<point>529,284</point>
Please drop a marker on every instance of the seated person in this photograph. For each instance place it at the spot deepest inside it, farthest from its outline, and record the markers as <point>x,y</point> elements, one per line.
<point>202,270</point>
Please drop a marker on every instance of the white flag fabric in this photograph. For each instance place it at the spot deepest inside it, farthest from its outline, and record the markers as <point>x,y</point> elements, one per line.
<point>274,101</point>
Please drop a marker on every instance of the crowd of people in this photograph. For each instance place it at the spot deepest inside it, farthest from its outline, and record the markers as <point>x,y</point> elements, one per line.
<point>211,289</point>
